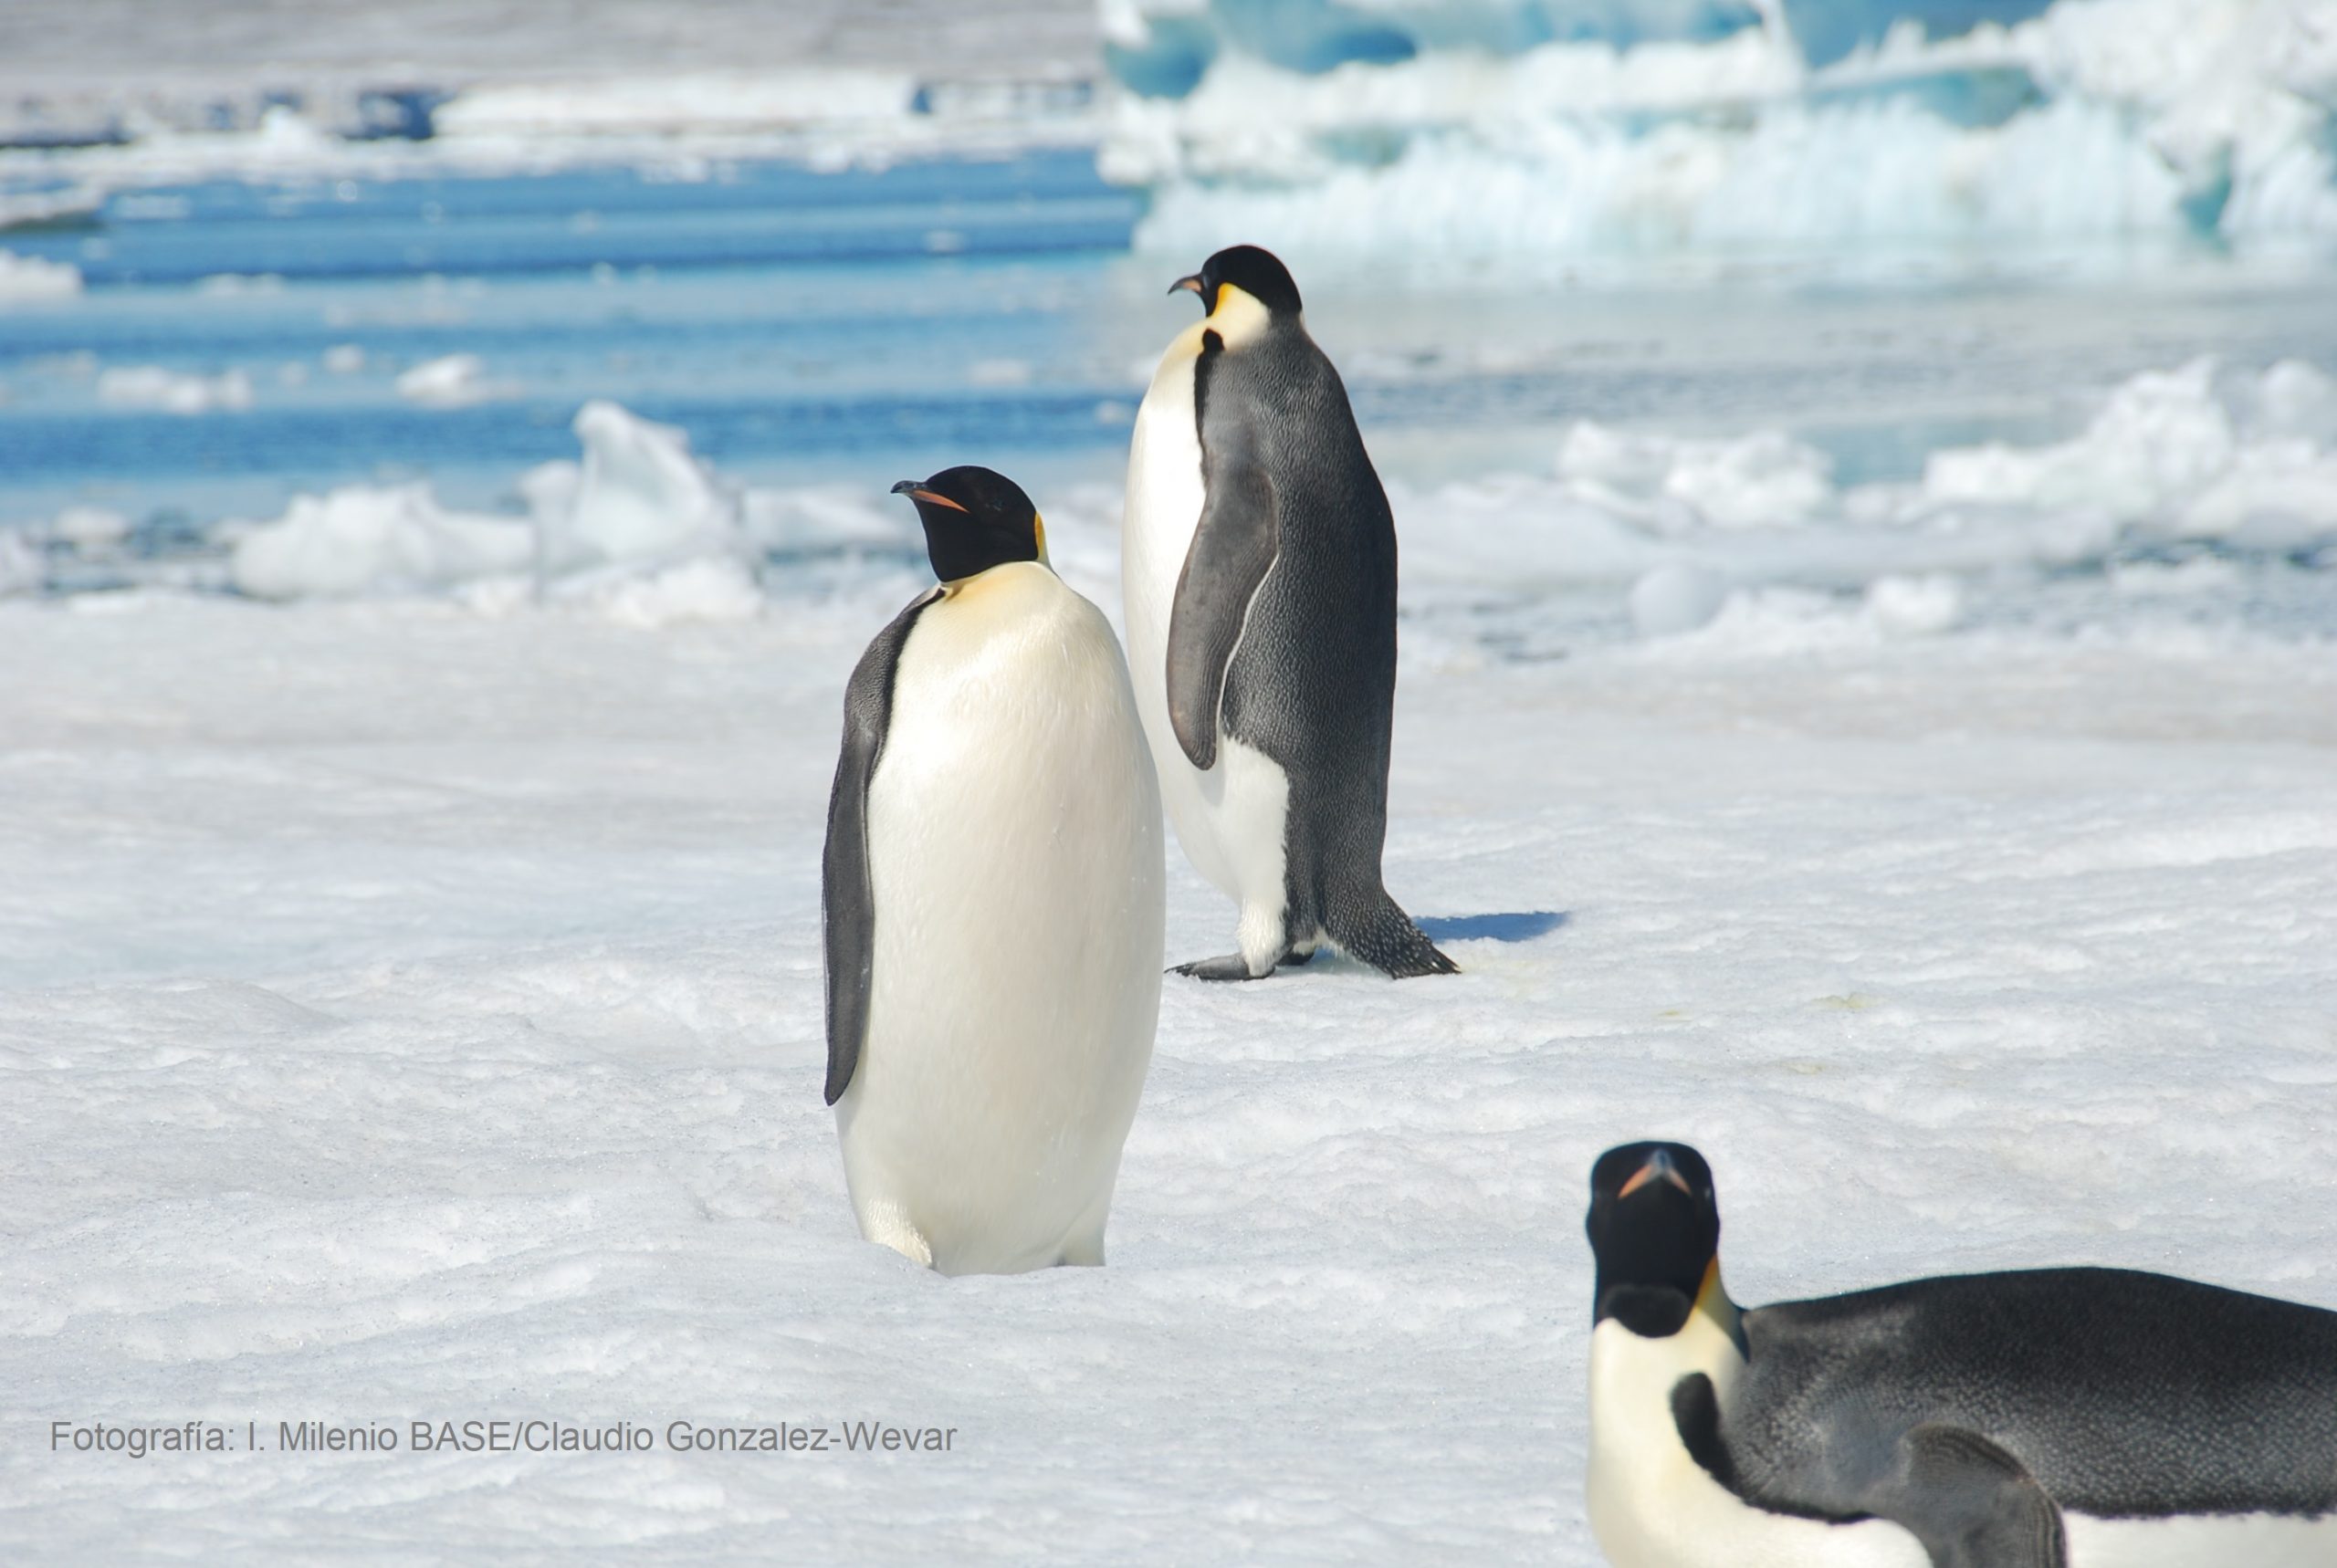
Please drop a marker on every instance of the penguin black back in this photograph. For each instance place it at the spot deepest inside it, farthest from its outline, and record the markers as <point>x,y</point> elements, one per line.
<point>2125,1395</point>
<point>1312,681</point>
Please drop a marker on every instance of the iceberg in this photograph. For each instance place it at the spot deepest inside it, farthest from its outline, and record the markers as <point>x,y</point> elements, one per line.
<point>1534,131</point>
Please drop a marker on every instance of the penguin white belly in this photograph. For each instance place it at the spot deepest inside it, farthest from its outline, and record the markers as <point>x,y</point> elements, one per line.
<point>1653,1506</point>
<point>1230,819</point>
<point>2202,1541</point>
<point>1015,863</point>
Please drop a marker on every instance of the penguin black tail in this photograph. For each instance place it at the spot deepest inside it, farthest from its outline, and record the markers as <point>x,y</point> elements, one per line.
<point>1386,939</point>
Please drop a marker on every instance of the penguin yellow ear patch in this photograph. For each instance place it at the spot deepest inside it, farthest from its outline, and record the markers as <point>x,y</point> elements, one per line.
<point>1039,532</point>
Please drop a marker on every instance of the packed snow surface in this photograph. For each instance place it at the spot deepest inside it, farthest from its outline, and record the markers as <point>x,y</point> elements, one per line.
<point>412,1013</point>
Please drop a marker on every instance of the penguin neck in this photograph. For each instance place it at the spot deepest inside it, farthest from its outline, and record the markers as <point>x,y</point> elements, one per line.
<point>1657,1312</point>
<point>1634,1373</point>
<point>1713,1303</point>
<point>1240,319</point>
<point>1012,574</point>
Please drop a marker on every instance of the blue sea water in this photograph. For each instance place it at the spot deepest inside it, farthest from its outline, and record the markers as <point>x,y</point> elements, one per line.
<point>868,322</point>
<point>788,320</point>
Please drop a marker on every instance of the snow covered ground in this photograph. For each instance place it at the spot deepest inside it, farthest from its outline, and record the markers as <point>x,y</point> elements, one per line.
<point>411,1010</point>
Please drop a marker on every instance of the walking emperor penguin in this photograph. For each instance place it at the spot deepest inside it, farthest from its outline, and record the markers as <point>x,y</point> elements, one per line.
<point>1259,568</point>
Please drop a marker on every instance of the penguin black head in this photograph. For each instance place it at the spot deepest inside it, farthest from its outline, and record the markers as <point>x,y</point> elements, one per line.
<point>975,518</point>
<point>1259,274</point>
<point>1655,1231</point>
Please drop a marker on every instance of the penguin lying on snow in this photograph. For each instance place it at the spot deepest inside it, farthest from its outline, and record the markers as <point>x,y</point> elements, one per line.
<point>993,892</point>
<point>1258,563</point>
<point>2084,1416</point>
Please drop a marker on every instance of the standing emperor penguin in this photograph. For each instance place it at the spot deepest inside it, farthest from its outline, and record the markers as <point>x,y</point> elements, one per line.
<point>993,892</point>
<point>1258,562</point>
<point>2042,1419</point>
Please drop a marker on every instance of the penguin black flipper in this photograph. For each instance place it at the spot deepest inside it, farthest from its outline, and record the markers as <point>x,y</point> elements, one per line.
<point>847,898</point>
<point>1971,1503</point>
<point>1233,547</point>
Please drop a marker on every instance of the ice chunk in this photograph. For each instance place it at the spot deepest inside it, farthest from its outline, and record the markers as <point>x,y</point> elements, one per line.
<point>1914,606</point>
<point>366,539</point>
<point>641,494</point>
<point>2162,438</point>
<point>2295,399</point>
<point>2282,494</point>
<point>1676,597</point>
<point>89,530</point>
<point>453,381</point>
<point>24,278</point>
<point>174,392</point>
<point>22,570</point>
<point>708,589</point>
<point>1676,484</point>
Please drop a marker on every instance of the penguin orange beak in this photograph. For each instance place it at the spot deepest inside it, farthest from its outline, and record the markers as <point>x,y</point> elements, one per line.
<point>1189,285</point>
<point>1659,1167</point>
<point>915,491</point>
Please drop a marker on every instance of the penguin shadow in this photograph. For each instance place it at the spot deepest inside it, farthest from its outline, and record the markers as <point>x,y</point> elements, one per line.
<point>1517,926</point>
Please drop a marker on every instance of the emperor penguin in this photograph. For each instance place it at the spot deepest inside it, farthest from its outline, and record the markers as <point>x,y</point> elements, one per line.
<point>1258,566</point>
<point>2038,1418</point>
<point>993,892</point>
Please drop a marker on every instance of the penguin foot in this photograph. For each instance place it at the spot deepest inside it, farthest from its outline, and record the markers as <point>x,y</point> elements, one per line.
<point>1386,939</point>
<point>1295,959</point>
<point>1230,967</point>
<point>887,1223</point>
